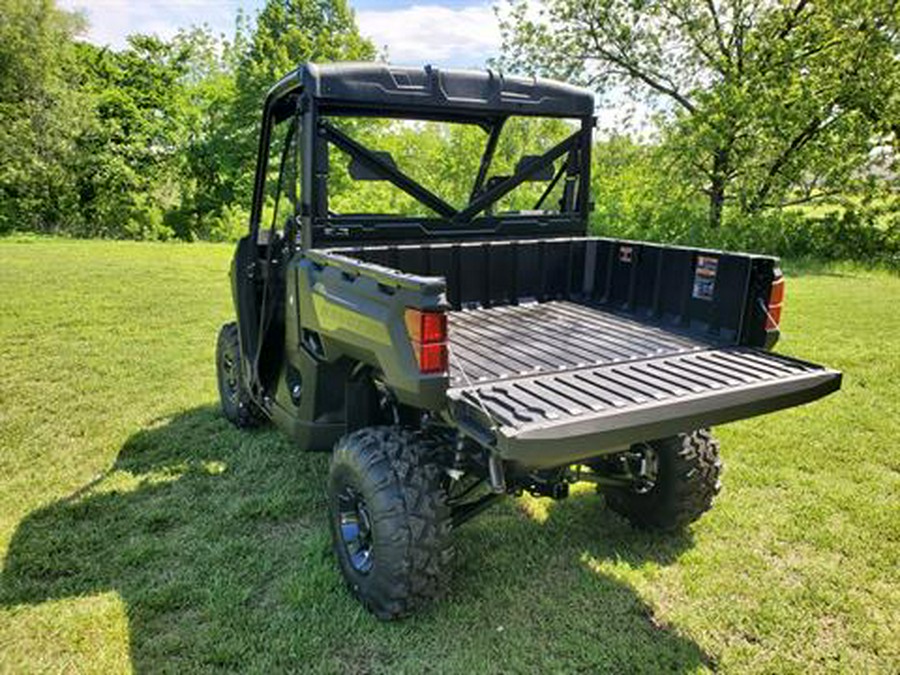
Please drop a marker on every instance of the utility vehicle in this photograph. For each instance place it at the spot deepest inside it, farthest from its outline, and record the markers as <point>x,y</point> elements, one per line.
<point>452,349</point>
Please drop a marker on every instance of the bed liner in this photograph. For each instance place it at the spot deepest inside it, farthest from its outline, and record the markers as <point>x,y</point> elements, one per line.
<point>515,340</point>
<point>548,382</point>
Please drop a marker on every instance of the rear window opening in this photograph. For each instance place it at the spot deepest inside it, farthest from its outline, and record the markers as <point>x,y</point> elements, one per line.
<point>456,162</point>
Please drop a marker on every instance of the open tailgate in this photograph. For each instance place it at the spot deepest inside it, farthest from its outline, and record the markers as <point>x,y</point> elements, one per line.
<point>560,418</point>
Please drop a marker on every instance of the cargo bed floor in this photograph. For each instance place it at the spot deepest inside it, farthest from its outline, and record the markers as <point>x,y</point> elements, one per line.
<point>496,343</point>
<point>586,379</point>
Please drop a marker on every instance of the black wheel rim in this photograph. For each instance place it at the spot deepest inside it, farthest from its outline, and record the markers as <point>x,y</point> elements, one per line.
<point>356,529</point>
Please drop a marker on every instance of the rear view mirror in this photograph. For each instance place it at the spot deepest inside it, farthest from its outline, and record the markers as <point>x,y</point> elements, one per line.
<point>543,174</point>
<point>360,171</point>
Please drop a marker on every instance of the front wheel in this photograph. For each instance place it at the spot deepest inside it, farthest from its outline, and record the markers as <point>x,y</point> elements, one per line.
<point>677,480</point>
<point>390,521</point>
<point>237,406</point>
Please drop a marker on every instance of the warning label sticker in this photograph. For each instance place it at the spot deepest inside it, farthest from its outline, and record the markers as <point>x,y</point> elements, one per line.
<point>705,277</point>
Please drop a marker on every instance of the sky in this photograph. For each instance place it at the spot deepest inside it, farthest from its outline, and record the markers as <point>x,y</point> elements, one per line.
<point>460,33</point>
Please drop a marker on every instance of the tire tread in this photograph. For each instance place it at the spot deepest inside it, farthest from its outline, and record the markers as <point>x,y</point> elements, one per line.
<point>246,414</point>
<point>420,526</point>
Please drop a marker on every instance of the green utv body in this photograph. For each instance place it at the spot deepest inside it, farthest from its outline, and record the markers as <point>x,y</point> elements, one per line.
<point>456,353</point>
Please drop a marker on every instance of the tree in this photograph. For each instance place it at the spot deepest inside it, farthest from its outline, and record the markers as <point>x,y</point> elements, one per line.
<point>154,140</point>
<point>765,103</point>
<point>208,209</point>
<point>287,33</point>
<point>38,120</point>
<point>130,155</point>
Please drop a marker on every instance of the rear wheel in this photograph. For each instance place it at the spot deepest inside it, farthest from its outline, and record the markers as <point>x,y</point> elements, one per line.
<point>237,406</point>
<point>676,480</point>
<point>390,521</point>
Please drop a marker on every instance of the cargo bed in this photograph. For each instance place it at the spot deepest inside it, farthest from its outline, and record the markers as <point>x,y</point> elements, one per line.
<point>566,349</point>
<point>553,382</point>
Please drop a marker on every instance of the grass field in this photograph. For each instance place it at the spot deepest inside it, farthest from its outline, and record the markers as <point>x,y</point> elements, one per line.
<point>138,530</point>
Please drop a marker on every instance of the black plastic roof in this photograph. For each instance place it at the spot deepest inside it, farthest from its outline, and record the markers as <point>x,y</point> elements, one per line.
<point>379,85</point>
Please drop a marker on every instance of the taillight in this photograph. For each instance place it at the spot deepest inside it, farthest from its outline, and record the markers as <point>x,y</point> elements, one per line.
<point>427,330</point>
<point>776,302</point>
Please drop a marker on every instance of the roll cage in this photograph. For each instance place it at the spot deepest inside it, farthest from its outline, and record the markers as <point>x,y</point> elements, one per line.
<point>311,96</point>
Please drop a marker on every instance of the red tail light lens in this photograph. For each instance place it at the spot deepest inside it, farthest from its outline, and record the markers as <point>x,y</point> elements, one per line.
<point>432,358</point>
<point>776,302</point>
<point>427,330</point>
<point>426,326</point>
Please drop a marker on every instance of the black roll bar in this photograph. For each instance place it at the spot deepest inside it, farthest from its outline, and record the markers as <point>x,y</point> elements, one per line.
<point>415,189</point>
<point>504,187</point>
<point>390,172</point>
<point>487,157</point>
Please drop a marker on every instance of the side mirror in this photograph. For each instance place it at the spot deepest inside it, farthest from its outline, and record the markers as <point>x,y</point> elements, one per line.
<point>360,171</point>
<point>544,174</point>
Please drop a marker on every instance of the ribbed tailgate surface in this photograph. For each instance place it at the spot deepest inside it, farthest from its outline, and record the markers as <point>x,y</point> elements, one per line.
<point>696,386</point>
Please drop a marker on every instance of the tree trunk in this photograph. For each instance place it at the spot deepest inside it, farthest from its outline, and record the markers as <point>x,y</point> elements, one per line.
<point>716,202</point>
<point>718,183</point>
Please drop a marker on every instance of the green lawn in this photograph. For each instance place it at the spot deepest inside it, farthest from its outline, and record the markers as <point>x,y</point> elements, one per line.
<point>138,530</point>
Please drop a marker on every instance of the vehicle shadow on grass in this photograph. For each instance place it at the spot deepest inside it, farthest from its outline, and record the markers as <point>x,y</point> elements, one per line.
<point>216,541</point>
